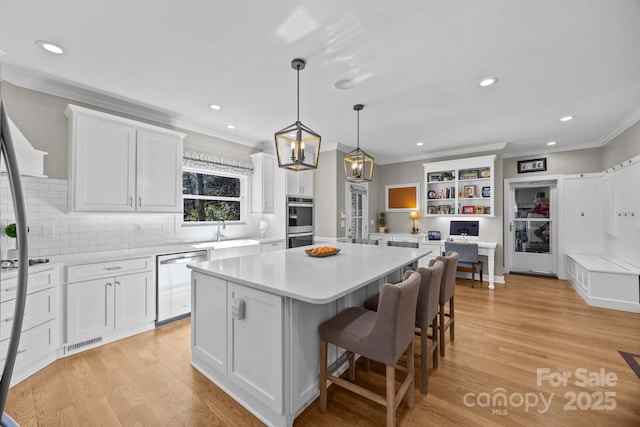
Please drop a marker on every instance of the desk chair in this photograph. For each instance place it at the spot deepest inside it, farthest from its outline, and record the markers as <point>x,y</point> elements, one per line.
<point>363,241</point>
<point>447,293</point>
<point>382,336</point>
<point>468,258</point>
<point>426,314</point>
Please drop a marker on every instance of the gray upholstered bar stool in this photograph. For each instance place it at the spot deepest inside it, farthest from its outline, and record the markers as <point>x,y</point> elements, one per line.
<point>447,292</point>
<point>414,265</point>
<point>426,315</point>
<point>382,336</point>
<point>467,258</point>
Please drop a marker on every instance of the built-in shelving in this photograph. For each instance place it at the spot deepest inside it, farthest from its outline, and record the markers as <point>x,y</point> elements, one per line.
<point>460,187</point>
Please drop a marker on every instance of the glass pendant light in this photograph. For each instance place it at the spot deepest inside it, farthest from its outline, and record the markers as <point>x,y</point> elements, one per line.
<point>298,146</point>
<point>358,165</point>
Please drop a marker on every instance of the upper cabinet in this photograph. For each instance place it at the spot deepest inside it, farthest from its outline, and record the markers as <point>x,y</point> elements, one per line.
<point>262,183</point>
<point>460,187</point>
<point>300,183</point>
<point>117,164</point>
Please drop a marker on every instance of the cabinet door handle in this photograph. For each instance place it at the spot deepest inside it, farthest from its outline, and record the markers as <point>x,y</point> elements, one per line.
<point>112,268</point>
<point>116,282</point>
<point>131,201</point>
<point>108,284</point>
<point>22,351</point>
<point>139,201</point>
<point>13,288</point>
<point>8,319</point>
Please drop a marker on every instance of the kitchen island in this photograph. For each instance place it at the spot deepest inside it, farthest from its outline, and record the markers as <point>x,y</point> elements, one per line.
<point>255,319</point>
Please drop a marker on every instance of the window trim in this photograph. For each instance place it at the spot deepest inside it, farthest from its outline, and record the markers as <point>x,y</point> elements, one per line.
<point>244,212</point>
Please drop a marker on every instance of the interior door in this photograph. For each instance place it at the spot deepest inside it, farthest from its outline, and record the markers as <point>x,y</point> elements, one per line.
<point>531,238</point>
<point>357,211</point>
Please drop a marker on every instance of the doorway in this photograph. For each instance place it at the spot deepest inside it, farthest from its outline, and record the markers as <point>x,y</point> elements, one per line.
<point>531,238</point>
<point>357,204</point>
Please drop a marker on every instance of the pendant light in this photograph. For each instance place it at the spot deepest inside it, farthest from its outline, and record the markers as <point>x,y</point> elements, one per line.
<point>358,165</point>
<point>298,147</point>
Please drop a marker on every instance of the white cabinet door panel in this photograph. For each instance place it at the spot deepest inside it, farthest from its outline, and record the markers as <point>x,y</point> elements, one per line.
<point>258,335</point>
<point>209,328</point>
<point>90,311</point>
<point>134,299</point>
<point>104,167</point>
<point>159,161</point>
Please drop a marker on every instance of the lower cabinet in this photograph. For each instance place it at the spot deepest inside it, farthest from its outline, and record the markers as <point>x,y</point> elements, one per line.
<point>239,331</point>
<point>111,303</point>
<point>40,338</point>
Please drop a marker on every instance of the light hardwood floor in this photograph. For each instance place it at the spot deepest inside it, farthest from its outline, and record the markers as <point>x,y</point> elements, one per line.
<point>502,338</point>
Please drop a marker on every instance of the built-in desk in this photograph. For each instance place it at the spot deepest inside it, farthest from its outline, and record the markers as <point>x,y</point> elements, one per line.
<point>436,247</point>
<point>487,249</point>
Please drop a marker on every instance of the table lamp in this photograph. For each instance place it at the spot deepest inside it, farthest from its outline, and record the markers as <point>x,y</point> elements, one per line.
<point>414,215</point>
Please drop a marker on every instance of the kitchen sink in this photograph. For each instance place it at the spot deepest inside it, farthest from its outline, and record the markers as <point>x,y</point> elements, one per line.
<point>226,244</point>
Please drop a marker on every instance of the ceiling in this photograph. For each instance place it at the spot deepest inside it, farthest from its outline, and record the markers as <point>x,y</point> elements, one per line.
<point>415,65</point>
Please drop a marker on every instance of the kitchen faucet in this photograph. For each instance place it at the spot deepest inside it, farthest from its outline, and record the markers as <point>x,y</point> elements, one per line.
<point>219,235</point>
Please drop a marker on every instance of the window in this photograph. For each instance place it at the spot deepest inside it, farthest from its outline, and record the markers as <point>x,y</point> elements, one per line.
<point>209,196</point>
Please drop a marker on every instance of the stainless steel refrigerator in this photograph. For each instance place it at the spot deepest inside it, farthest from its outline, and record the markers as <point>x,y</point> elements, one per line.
<point>13,175</point>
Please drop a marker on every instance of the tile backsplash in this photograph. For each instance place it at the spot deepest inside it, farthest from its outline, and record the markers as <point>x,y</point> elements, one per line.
<point>53,230</point>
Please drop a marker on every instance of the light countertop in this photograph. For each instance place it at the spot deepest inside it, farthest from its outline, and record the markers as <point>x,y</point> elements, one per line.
<point>100,256</point>
<point>294,274</point>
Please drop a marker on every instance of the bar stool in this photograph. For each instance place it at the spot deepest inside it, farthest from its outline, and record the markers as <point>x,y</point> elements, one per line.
<point>426,314</point>
<point>382,336</point>
<point>447,291</point>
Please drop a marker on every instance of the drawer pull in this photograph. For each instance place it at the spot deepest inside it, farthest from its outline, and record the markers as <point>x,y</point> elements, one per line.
<point>13,288</point>
<point>8,319</point>
<point>22,351</point>
<point>112,268</point>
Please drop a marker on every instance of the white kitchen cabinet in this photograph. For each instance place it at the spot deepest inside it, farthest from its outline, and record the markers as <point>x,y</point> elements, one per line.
<point>262,183</point>
<point>230,343</point>
<point>263,313</point>
<point>41,323</point>
<point>300,183</point>
<point>110,300</point>
<point>272,246</point>
<point>209,304</point>
<point>117,164</point>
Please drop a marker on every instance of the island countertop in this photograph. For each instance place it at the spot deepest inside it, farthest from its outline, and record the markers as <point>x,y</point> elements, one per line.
<point>294,274</point>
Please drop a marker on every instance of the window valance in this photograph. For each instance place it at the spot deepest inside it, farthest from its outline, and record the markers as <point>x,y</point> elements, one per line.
<point>206,161</point>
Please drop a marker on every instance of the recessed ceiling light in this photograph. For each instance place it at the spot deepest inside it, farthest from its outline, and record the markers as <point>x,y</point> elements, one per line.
<point>231,127</point>
<point>344,84</point>
<point>419,144</point>
<point>551,143</point>
<point>50,47</point>
<point>488,81</point>
<point>215,107</point>
<point>567,118</point>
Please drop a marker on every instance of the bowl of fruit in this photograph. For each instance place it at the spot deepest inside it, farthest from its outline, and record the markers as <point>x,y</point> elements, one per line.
<point>322,251</point>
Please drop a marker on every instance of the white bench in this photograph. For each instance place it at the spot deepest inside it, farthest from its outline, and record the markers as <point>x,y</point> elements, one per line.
<point>606,282</point>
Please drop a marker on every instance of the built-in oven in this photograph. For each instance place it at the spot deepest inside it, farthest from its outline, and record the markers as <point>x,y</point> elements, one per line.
<point>299,222</point>
<point>299,239</point>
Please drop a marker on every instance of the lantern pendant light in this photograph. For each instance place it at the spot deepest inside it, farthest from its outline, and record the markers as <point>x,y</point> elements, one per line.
<point>358,165</point>
<point>297,146</point>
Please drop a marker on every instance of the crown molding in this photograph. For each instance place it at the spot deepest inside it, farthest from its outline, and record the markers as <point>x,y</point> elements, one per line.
<point>448,153</point>
<point>335,146</point>
<point>625,124</point>
<point>41,82</point>
<point>513,151</point>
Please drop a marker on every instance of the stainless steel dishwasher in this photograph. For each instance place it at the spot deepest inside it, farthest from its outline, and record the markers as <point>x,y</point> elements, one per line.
<point>174,285</point>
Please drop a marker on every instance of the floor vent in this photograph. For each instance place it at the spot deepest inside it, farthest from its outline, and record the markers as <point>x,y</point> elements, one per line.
<point>73,347</point>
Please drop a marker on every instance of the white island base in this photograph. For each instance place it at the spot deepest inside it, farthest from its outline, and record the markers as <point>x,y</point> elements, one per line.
<point>255,320</point>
